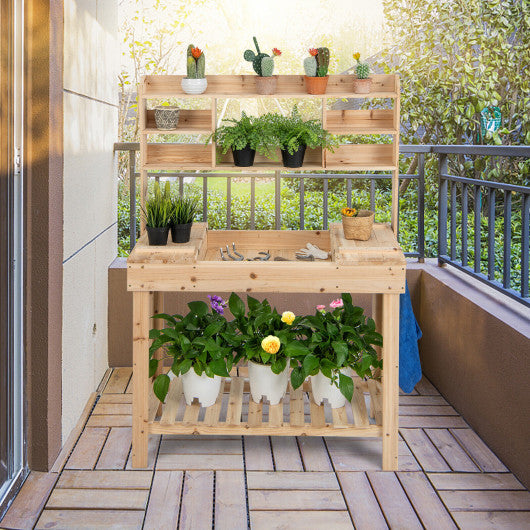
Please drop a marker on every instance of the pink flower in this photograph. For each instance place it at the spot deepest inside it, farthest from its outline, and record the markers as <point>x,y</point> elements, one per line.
<point>321,307</point>
<point>336,303</point>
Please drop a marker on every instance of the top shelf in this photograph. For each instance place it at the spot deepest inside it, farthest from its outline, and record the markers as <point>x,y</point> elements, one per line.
<point>289,86</point>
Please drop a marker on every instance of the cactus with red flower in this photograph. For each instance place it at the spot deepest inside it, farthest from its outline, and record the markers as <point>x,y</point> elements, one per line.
<point>317,64</point>
<point>262,63</point>
<point>196,63</point>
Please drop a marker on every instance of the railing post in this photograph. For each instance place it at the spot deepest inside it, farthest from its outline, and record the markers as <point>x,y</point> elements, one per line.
<point>442,207</point>
<point>421,207</point>
<point>132,199</point>
<point>525,243</point>
<point>277,200</point>
<point>491,233</point>
<point>325,205</point>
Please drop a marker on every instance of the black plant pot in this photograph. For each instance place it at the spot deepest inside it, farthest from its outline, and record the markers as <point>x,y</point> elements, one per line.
<point>244,157</point>
<point>157,235</point>
<point>181,233</point>
<point>294,160</point>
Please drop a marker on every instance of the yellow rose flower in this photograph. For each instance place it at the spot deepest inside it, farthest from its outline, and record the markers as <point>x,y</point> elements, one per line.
<point>357,56</point>
<point>271,344</point>
<point>288,317</point>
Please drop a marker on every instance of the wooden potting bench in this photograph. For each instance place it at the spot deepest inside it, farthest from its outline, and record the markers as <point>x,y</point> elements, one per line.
<point>376,266</point>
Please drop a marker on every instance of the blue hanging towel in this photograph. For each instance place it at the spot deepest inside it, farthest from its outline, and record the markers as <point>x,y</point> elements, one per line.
<point>409,334</point>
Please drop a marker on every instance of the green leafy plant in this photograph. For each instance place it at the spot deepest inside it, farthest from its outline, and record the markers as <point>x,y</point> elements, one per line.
<point>317,64</point>
<point>158,209</point>
<point>203,340</point>
<point>195,62</point>
<point>266,337</point>
<point>248,131</point>
<point>292,132</point>
<point>340,338</point>
<point>183,210</point>
<point>262,63</point>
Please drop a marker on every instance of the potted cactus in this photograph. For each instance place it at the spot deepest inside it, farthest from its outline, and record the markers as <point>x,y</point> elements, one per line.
<point>263,65</point>
<point>316,70</point>
<point>195,82</point>
<point>362,84</point>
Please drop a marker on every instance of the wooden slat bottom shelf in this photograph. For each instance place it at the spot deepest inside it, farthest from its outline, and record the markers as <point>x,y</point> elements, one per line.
<point>296,415</point>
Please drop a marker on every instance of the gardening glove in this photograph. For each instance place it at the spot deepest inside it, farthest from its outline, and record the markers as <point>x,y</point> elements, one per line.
<point>312,250</point>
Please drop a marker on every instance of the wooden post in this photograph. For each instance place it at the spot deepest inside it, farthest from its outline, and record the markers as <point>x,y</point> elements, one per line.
<point>390,329</point>
<point>142,110</point>
<point>157,323</point>
<point>377,308</point>
<point>142,309</point>
<point>395,172</point>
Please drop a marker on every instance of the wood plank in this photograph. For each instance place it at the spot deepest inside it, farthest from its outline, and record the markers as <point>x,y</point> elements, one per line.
<point>87,450</point>
<point>164,502</point>
<point>490,519</point>
<point>426,388</point>
<point>211,416</point>
<point>426,410</point>
<point>422,400</point>
<point>118,381</point>
<point>479,451</point>
<point>393,501</point>
<point>296,406</point>
<point>451,450</point>
<point>295,500</point>
<point>475,481</point>
<point>255,417</point>
<point>437,422</point>
<point>314,453</point>
<point>199,462</point>
<point>116,449</point>
<point>276,414</point>
<point>197,500</point>
<point>461,500</point>
<point>314,520</point>
<point>152,452</point>
<point>104,380</point>
<point>424,450</point>
<point>201,446</point>
<point>360,415</point>
<point>67,498</point>
<point>361,501</point>
<point>258,453</point>
<point>191,414</point>
<point>318,418</point>
<point>29,502</point>
<point>286,453</point>
<point>74,435</point>
<point>376,402</point>
<point>169,410</point>
<point>105,479</point>
<point>230,501</point>
<point>425,501</point>
<point>235,402</point>
<point>110,420</point>
<point>115,398</point>
<point>291,480</point>
<point>91,519</point>
<point>113,408</point>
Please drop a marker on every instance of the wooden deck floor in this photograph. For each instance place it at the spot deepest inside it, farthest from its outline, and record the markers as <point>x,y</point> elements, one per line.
<point>448,477</point>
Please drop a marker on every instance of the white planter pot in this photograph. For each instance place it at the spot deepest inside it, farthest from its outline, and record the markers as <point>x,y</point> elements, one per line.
<point>264,382</point>
<point>193,86</point>
<point>322,387</point>
<point>204,388</point>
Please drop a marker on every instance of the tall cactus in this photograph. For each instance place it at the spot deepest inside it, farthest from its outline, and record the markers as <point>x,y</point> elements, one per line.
<point>195,63</point>
<point>322,61</point>
<point>262,63</point>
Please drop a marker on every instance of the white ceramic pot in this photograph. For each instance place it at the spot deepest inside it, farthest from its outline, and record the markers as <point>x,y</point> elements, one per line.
<point>193,86</point>
<point>264,382</point>
<point>323,388</point>
<point>204,388</point>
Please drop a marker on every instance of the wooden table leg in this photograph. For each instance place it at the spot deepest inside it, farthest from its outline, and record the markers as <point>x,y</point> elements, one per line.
<point>377,307</point>
<point>142,310</point>
<point>158,307</point>
<point>390,331</point>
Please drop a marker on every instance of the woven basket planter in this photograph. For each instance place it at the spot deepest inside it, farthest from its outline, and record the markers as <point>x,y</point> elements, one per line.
<point>166,118</point>
<point>359,227</point>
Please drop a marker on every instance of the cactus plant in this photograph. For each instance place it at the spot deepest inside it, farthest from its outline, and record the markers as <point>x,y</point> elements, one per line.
<point>362,69</point>
<point>262,63</point>
<point>195,63</point>
<point>317,64</point>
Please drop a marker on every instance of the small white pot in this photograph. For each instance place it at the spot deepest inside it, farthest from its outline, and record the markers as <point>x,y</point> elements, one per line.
<point>204,388</point>
<point>264,382</point>
<point>323,387</point>
<point>194,86</point>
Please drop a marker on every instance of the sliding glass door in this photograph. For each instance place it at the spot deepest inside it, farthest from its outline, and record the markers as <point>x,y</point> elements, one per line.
<point>12,461</point>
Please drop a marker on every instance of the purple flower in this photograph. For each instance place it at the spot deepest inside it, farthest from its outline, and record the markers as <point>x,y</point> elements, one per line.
<point>217,303</point>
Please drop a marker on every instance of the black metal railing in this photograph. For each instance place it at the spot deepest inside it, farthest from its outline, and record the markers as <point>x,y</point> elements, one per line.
<point>453,226</point>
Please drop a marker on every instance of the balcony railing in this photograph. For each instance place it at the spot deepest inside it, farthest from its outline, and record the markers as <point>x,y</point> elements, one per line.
<point>455,221</point>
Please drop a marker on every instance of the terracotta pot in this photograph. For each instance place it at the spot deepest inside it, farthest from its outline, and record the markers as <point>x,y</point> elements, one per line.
<point>316,85</point>
<point>264,382</point>
<point>359,227</point>
<point>266,85</point>
<point>362,86</point>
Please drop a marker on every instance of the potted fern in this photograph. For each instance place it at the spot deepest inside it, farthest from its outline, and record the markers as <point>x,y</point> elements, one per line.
<point>293,135</point>
<point>195,82</point>
<point>316,70</point>
<point>183,210</point>
<point>362,84</point>
<point>263,65</point>
<point>157,214</point>
<point>244,137</point>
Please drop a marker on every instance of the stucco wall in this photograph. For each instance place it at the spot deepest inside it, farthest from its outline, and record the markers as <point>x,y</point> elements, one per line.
<point>89,196</point>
